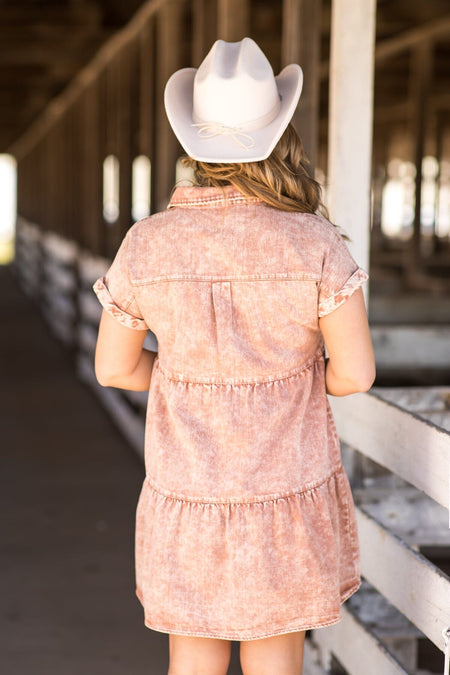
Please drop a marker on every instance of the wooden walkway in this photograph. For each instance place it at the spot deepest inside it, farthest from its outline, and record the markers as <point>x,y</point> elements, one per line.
<point>70,485</point>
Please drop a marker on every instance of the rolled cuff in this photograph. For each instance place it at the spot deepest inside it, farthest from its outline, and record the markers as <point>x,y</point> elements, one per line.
<point>108,303</point>
<point>334,301</point>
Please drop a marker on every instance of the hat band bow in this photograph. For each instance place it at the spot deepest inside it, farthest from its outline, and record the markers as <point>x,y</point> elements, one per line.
<point>238,134</point>
<point>213,129</point>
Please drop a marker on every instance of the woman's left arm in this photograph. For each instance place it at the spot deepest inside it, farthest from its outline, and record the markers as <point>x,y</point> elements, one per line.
<point>120,360</point>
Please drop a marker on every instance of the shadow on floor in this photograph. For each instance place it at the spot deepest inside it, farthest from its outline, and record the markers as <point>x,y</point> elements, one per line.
<point>68,499</point>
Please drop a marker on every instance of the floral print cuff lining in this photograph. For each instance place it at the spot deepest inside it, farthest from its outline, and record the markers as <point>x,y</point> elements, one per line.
<point>332,302</point>
<point>111,306</point>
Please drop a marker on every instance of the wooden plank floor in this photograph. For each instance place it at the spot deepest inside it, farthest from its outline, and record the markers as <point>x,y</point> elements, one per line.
<point>70,485</point>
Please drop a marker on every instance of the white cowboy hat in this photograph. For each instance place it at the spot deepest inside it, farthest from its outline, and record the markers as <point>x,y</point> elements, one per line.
<point>233,108</point>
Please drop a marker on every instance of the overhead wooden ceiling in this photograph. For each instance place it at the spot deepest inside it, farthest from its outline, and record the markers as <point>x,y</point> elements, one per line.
<point>44,43</point>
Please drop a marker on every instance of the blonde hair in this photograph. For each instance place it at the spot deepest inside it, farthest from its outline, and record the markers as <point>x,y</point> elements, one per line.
<point>282,180</point>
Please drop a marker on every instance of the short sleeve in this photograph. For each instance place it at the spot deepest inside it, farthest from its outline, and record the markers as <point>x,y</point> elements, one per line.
<point>117,294</point>
<point>341,276</point>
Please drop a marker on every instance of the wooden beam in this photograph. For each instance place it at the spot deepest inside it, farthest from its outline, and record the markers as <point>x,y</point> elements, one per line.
<point>420,83</point>
<point>433,31</point>
<point>147,87</point>
<point>204,22</point>
<point>233,19</point>
<point>76,194</point>
<point>65,45</point>
<point>111,119</point>
<point>404,443</point>
<point>407,579</point>
<point>126,126</point>
<point>357,648</point>
<point>92,170</point>
<point>70,211</point>
<point>301,44</point>
<point>147,60</point>
<point>46,199</point>
<point>350,121</point>
<point>37,19</point>
<point>61,103</point>
<point>169,33</point>
<point>386,114</point>
<point>410,348</point>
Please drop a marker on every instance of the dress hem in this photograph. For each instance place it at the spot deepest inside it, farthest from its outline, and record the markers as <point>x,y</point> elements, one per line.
<point>238,636</point>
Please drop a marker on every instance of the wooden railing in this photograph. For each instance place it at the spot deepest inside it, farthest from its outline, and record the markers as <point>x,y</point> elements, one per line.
<point>398,461</point>
<point>417,452</point>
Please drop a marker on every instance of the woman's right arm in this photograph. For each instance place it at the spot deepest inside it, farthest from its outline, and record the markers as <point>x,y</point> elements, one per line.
<point>351,364</point>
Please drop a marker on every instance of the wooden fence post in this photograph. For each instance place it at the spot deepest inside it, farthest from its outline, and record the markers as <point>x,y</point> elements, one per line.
<point>350,121</point>
<point>233,19</point>
<point>301,44</point>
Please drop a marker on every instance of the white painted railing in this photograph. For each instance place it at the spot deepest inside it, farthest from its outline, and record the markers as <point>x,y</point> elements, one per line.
<point>48,268</point>
<point>59,276</point>
<point>403,442</point>
<point>418,452</point>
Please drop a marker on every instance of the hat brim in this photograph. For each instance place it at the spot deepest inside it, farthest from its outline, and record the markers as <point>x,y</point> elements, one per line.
<point>178,100</point>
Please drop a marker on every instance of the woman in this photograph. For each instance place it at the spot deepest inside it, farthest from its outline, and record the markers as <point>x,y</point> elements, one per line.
<point>245,524</point>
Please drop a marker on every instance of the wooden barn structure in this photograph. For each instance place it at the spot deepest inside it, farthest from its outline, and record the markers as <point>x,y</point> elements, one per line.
<point>374,116</point>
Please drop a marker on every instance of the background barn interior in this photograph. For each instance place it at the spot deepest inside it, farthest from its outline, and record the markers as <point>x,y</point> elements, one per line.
<point>82,120</point>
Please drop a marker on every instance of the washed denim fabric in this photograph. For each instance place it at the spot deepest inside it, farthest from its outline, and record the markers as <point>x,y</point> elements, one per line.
<point>245,524</point>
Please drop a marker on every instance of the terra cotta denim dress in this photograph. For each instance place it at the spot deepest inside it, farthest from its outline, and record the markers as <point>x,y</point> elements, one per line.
<point>245,524</point>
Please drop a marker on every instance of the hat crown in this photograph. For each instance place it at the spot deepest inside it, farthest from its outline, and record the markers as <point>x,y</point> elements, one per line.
<point>232,108</point>
<point>235,85</point>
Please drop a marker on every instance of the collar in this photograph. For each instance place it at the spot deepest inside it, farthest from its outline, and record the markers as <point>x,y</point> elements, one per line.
<point>188,197</point>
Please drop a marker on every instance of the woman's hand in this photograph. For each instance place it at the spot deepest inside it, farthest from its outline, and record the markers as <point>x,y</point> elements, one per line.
<point>351,364</point>
<point>120,360</point>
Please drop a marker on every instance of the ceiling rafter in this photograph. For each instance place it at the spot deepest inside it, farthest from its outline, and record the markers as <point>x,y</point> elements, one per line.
<point>46,46</point>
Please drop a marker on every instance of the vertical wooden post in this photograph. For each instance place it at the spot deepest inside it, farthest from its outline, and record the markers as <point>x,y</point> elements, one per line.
<point>20,187</point>
<point>54,188</point>
<point>62,173</point>
<point>204,22</point>
<point>76,169</point>
<point>81,182</point>
<point>233,19</point>
<point>60,225</point>
<point>441,117</point>
<point>23,187</point>
<point>350,121</point>
<point>64,167</point>
<point>47,217</point>
<point>41,199</point>
<point>420,81</point>
<point>147,97</point>
<point>69,215</point>
<point>61,152</point>
<point>379,177</point>
<point>92,169</point>
<point>102,150</point>
<point>77,179</point>
<point>110,136</point>
<point>33,176</point>
<point>125,76</point>
<point>36,180</point>
<point>169,33</point>
<point>301,44</point>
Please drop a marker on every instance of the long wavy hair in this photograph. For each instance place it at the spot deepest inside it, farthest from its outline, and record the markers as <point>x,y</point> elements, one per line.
<point>282,180</point>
